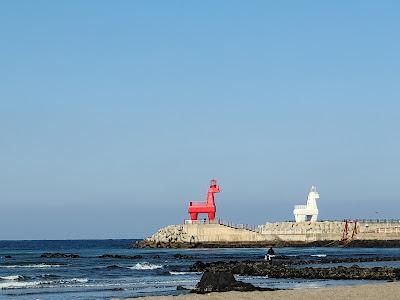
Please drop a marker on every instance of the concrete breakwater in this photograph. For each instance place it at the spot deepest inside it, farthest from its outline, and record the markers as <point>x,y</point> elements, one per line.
<point>324,233</point>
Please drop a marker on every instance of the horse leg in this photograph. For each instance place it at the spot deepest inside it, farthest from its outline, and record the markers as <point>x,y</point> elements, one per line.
<point>193,216</point>
<point>211,216</point>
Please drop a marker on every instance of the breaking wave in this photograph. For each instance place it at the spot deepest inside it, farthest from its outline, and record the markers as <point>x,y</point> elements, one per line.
<point>39,266</point>
<point>318,255</point>
<point>72,280</point>
<point>13,277</point>
<point>16,284</point>
<point>184,273</point>
<point>49,276</point>
<point>145,266</point>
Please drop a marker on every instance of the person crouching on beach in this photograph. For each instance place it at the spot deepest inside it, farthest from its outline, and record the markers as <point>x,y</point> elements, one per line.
<point>270,255</point>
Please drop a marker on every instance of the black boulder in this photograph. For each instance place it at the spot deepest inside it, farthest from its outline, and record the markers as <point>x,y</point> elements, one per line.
<point>223,282</point>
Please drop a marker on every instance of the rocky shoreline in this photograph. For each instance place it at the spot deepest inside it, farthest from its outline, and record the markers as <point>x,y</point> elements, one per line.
<point>219,276</point>
<point>324,260</point>
<point>262,268</point>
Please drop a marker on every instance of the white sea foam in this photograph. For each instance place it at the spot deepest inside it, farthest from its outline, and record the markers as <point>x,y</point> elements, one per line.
<point>145,266</point>
<point>12,277</point>
<point>40,266</point>
<point>73,280</point>
<point>318,255</point>
<point>184,273</point>
<point>49,276</point>
<point>13,284</point>
<point>18,284</point>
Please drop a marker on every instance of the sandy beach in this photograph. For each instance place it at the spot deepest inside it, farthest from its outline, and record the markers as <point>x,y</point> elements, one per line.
<point>385,291</point>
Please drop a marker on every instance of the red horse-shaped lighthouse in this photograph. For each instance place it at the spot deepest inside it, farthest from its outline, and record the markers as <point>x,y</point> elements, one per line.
<point>205,208</point>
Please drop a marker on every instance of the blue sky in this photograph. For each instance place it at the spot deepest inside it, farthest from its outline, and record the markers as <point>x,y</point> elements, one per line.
<point>114,114</point>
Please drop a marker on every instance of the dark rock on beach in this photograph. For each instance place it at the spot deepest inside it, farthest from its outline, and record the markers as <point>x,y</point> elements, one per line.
<point>169,245</point>
<point>199,266</point>
<point>261,268</point>
<point>374,244</point>
<point>117,256</point>
<point>59,255</point>
<point>182,256</point>
<point>288,261</point>
<point>223,282</point>
<point>306,260</point>
<point>326,260</point>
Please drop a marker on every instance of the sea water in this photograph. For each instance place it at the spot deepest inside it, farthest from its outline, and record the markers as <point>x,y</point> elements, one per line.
<point>28,276</point>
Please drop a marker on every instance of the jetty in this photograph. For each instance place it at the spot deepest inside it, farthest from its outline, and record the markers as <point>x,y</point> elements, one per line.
<point>306,230</point>
<point>324,233</point>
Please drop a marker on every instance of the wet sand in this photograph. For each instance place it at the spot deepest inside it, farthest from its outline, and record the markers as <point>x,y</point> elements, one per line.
<point>384,291</point>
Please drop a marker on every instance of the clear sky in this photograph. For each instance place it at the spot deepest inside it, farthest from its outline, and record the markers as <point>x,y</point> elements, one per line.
<point>114,114</point>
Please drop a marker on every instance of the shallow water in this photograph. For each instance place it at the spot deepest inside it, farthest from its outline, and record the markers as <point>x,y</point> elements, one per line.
<point>27,276</point>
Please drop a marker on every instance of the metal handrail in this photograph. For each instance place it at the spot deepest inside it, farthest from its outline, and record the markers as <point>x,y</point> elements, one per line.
<point>224,223</point>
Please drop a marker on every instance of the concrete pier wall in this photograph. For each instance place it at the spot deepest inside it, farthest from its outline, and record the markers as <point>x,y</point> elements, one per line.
<point>330,231</point>
<point>279,231</point>
<point>221,233</point>
<point>204,233</point>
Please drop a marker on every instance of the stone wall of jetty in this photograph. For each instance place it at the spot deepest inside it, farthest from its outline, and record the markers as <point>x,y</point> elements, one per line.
<point>279,232</point>
<point>330,231</point>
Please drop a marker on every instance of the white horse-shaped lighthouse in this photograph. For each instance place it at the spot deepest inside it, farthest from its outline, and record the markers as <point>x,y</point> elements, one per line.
<point>309,212</point>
